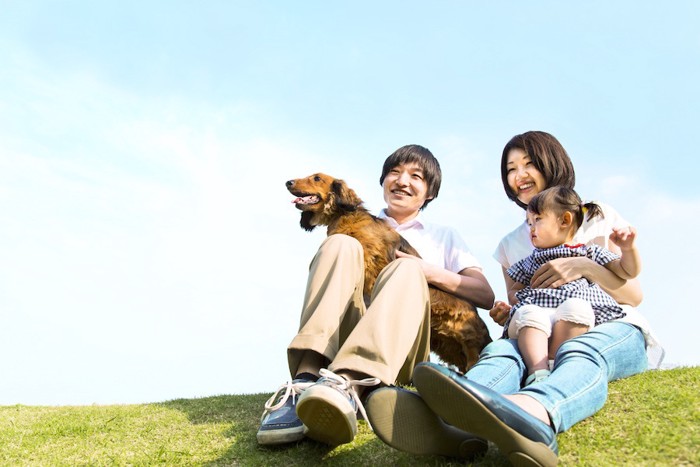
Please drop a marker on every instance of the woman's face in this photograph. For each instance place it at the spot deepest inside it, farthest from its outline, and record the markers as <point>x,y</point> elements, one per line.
<point>523,178</point>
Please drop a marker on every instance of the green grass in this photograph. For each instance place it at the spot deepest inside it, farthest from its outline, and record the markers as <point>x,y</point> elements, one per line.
<point>649,419</point>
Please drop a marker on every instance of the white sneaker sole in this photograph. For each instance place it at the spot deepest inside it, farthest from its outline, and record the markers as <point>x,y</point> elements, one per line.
<point>280,436</point>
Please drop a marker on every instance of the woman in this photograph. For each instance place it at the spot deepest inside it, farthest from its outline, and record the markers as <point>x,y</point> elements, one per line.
<point>452,413</point>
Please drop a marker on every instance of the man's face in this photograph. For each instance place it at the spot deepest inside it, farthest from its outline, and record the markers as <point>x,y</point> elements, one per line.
<point>405,189</point>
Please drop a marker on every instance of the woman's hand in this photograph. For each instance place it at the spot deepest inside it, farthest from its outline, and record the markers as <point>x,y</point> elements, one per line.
<point>499,312</point>
<point>560,271</point>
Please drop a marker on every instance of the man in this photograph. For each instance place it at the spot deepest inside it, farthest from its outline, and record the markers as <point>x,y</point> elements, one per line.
<point>345,347</point>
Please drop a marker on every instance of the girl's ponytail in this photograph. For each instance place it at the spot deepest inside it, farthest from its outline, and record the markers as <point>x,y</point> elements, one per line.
<point>592,210</point>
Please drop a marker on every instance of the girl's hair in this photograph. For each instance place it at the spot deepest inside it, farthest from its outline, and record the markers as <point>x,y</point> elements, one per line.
<point>560,199</point>
<point>425,160</point>
<point>548,156</point>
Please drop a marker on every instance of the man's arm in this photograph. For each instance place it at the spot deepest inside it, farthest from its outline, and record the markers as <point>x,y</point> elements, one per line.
<point>470,284</point>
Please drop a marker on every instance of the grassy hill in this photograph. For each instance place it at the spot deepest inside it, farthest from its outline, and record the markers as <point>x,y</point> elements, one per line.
<point>649,419</point>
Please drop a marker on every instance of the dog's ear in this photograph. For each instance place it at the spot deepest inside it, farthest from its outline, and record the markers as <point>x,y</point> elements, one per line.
<point>305,221</point>
<point>345,197</point>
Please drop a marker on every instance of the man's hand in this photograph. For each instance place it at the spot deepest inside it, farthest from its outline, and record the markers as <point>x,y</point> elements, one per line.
<point>499,312</point>
<point>429,270</point>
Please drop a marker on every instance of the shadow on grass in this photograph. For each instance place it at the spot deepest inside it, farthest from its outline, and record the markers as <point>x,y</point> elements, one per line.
<point>243,412</point>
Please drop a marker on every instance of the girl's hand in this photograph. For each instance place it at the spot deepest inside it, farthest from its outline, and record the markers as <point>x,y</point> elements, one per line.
<point>499,312</point>
<point>623,237</point>
<point>558,272</point>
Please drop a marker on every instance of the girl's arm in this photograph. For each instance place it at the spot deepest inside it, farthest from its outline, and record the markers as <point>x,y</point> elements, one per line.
<point>630,263</point>
<point>470,284</point>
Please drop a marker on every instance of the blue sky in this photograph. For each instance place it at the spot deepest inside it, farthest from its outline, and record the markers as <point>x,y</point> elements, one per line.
<point>149,249</point>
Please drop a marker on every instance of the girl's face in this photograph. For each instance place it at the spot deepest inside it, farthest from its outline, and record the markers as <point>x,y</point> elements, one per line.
<point>523,178</point>
<point>547,229</point>
<point>405,190</point>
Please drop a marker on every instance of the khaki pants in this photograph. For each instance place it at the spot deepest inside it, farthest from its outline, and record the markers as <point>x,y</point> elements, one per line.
<point>384,340</point>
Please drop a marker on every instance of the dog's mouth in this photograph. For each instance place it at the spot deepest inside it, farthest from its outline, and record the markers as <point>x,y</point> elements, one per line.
<point>304,199</point>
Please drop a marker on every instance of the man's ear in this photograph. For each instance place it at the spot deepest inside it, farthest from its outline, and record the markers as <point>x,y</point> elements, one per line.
<point>566,219</point>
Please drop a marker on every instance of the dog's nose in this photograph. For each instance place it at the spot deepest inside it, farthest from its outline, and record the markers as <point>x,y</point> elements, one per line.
<point>289,183</point>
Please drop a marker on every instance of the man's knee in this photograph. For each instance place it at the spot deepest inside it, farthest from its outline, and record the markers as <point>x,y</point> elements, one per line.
<point>340,243</point>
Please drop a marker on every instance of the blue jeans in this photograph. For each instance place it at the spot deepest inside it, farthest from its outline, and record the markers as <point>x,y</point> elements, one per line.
<point>583,366</point>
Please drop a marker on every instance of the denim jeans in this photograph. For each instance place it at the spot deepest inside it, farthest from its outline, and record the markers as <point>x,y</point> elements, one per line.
<point>583,366</point>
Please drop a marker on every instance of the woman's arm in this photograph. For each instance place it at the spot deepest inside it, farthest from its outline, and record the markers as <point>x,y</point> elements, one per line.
<point>470,284</point>
<point>561,271</point>
<point>512,287</point>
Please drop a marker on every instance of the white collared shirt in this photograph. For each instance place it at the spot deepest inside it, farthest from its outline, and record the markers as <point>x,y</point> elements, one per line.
<point>437,244</point>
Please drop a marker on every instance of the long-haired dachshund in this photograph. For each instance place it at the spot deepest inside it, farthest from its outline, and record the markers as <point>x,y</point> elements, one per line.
<point>458,334</point>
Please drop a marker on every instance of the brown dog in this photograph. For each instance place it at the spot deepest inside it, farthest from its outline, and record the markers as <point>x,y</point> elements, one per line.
<point>458,334</point>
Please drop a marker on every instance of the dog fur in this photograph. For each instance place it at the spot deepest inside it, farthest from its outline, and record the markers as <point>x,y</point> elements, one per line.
<point>458,334</point>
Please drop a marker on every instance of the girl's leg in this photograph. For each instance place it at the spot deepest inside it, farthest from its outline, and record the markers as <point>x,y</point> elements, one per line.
<point>562,331</point>
<point>571,319</point>
<point>532,344</point>
<point>532,326</point>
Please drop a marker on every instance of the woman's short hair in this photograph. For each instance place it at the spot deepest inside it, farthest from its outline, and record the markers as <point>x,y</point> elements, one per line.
<point>548,156</point>
<point>425,160</point>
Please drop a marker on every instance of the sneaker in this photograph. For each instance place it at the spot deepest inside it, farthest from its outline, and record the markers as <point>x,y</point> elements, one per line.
<point>537,376</point>
<point>279,423</point>
<point>329,408</point>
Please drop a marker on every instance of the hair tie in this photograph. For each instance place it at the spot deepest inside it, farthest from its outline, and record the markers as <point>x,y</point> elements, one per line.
<point>584,209</point>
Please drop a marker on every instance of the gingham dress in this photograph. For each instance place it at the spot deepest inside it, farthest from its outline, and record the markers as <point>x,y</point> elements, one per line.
<point>604,306</point>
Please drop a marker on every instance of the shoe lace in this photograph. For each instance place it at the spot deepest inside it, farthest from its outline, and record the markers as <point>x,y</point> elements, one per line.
<point>290,388</point>
<point>348,386</point>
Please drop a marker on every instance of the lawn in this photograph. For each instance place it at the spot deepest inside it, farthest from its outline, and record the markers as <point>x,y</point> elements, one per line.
<point>649,419</point>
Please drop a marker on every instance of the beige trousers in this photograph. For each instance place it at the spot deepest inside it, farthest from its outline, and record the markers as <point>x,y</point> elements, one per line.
<point>384,340</point>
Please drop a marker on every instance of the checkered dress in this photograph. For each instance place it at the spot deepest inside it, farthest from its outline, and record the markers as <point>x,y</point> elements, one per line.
<point>604,306</point>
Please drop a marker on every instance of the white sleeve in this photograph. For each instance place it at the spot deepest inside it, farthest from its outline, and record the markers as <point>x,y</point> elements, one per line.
<point>459,256</point>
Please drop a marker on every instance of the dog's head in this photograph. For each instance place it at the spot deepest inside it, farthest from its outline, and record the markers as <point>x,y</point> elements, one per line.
<point>322,199</point>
